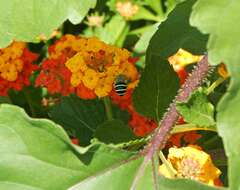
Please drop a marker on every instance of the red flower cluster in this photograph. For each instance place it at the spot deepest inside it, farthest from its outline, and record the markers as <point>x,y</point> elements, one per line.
<point>55,76</point>
<point>16,67</point>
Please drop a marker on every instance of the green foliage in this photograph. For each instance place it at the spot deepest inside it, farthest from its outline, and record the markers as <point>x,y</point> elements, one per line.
<point>27,19</point>
<point>157,88</point>
<point>198,110</point>
<point>223,46</point>
<point>79,117</point>
<point>40,145</point>
<point>52,161</point>
<point>38,154</point>
<point>45,148</point>
<point>113,30</point>
<point>114,132</point>
<point>174,33</point>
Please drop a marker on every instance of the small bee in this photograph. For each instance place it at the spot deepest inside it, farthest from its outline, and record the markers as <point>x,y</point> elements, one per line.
<point>120,85</point>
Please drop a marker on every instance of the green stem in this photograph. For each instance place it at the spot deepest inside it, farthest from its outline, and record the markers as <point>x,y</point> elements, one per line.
<point>108,108</point>
<point>168,165</point>
<point>29,101</point>
<point>215,85</point>
<point>191,127</point>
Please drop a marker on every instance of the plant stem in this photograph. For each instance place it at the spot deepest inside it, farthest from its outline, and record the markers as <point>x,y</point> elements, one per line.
<point>168,165</point>
<point>108,108</point>
<point>215,84</point>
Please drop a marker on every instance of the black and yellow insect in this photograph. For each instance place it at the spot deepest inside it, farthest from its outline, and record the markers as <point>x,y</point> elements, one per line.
<point>120,85</point>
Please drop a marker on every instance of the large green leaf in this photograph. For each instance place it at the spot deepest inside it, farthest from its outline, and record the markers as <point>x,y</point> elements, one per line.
<point>157,88</point>
<point>198,110</point>
<point>25,20</point>
<point>36,154</point>
<point>80,117</point>
<point>219,19</point>
<point>174,33</point>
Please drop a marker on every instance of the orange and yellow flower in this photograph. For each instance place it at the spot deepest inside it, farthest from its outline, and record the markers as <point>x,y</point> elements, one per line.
<point>97,65</point>
<point>15,67</point>
<point>75,62</point>
<point>183,58</point>
<point>192,163</point>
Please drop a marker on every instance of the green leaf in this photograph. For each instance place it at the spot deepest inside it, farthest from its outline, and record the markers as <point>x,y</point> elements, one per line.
<point>143,42</point>
<point>156,5</point>
<point>157,88</point>
<point>198,110</point>
<point>174,33</point>
<point>36,154</point>
<point>114,132</point>
<point>25,20</point>
<point>113,30</point>
<point>223,46</point>
<point>80,117</point>
<point>145,14</point>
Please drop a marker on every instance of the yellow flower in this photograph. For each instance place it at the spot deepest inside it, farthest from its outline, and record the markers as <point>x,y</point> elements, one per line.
<point>90,79</point>
<point>222,70</point>
<point>9,72</point>
<point>103,88</point>
<point>76,78</point>
<point>190,162</point>
<point>19,64</point>
<point>79,44</point>
<point>76,63</point>
<point>183,58</point>
<point>129,70</point>
<point>133,84</point>
<point>93,44</point>
<point>94,64</point>
<point>112,71</point>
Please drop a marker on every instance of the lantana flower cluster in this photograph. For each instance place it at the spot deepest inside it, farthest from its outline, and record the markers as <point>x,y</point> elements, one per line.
<point>86,66</point>
<point>16,66</point>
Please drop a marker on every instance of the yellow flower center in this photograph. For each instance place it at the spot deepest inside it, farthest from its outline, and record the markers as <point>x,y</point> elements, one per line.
<point>189,168</point>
